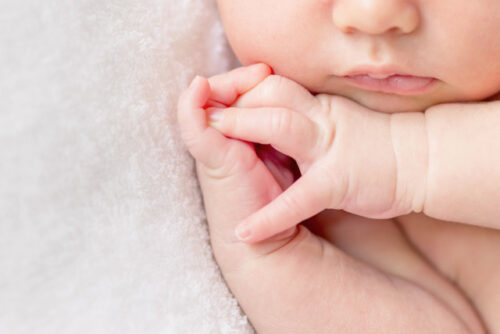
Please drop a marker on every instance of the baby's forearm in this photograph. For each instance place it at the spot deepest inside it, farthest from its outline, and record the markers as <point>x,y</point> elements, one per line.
<point>322,290</point>
<point>449,158</point>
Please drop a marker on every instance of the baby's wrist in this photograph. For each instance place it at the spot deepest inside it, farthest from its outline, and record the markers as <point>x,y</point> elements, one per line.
<point>410,144</point>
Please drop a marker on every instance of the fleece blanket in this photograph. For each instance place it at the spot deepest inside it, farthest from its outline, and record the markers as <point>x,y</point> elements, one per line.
<point>102,228</point>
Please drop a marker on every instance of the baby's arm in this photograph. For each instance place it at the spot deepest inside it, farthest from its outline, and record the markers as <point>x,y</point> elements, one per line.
<point>299,282</point>
<point>460,166</point>
<point>366,162</point>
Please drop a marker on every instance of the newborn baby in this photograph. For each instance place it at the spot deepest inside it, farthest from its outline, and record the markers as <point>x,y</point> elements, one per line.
<point>390,110</point>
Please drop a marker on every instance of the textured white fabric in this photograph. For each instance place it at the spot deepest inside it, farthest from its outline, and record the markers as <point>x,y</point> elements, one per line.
<point>101,222</point>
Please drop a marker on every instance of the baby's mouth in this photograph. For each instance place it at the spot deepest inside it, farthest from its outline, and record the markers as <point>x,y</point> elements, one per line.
<point>391,83</point>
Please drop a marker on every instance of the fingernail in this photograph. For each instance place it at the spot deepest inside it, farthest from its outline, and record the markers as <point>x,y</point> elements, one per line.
<point>243,232</point>
<point>214,115</point>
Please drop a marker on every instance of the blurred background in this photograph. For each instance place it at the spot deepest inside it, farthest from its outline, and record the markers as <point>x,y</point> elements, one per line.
<point>102,227</point>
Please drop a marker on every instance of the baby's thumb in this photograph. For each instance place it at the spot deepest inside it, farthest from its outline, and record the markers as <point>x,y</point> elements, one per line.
<point>227,87</point>
<point>309,195</point>
<point>278,91</point>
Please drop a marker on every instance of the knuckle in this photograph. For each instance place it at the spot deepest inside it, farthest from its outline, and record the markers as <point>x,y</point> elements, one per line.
<point>233,121</point>
<point>291,204</point>
<point>326,139</point>
<point>339,106</point>
<point>330,120</point>
<point>267,218</point>
<point>272,85</point>
<point>191,142</point>
<point>229,120</point>
<point>325,102</point>
<point>236,160</point>
<point>281,121</point>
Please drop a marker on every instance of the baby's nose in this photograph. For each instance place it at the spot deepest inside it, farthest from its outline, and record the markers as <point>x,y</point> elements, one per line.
<point>376,17</point>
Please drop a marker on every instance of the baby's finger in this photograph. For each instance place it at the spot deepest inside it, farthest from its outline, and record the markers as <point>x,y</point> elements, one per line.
<point>308,196</point>
<point>206,144</point>
<point>288,131</point>
<point>278,91</point>
<point>227,87</point>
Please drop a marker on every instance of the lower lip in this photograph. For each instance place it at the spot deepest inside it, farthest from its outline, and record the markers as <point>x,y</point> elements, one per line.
<point>395,84</point>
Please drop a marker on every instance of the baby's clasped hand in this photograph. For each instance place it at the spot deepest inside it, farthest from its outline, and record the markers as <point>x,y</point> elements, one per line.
<point>345,153</point>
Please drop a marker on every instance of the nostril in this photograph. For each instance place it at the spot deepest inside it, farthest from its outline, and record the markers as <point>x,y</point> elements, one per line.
<point>348,30</point>
<point>394,30</point>
<point>375,17</point>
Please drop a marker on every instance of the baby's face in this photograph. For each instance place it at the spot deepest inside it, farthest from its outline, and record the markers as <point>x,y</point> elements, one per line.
<point>436,50</point>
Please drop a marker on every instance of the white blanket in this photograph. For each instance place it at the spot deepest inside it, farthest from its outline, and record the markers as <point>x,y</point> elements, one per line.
<point>102,228</point>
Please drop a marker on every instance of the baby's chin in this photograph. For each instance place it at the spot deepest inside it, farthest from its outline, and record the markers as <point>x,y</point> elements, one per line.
<point>394,103</point>
<point>389,103</point>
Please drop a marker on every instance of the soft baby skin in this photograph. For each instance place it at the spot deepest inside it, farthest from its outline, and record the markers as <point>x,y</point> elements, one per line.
<point>320,43</point>
<point>388,108</point>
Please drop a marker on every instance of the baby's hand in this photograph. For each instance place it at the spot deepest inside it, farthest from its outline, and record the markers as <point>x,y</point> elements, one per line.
<point>344,151</point>
<point>297,267</point>
<point>236,177</point>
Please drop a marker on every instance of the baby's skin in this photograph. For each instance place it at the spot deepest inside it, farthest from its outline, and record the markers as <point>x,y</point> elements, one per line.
<point>385,256</point>
<point>352,274</point>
